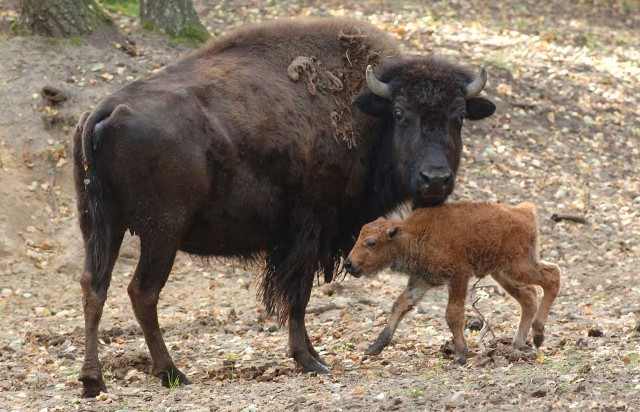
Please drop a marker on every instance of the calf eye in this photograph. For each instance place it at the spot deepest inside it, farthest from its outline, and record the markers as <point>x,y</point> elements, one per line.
<point>370,243</point>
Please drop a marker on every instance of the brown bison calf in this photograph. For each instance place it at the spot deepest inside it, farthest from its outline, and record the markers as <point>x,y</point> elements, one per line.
<point>448,245</point>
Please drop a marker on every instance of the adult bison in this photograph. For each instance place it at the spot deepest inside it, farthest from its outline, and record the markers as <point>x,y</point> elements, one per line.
<point>251,147</point>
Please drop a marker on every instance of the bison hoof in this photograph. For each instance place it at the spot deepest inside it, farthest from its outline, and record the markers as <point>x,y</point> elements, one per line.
<point>317,367</point>
<point>460,360</point>
<point>92,381</point>
<point>173,378</point>
<point>314,366</point>
<point>92,388</point>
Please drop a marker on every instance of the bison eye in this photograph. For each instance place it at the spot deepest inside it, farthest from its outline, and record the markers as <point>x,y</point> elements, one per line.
<point>398,113</point>
<point>370,243</point>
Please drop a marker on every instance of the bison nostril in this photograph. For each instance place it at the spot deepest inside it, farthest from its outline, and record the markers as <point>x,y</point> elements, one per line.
<point>425,177</point>
<point>448,180</point>
<point>348,265</point>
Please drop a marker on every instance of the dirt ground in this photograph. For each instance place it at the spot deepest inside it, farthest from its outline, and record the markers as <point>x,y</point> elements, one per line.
<point>566,79</point>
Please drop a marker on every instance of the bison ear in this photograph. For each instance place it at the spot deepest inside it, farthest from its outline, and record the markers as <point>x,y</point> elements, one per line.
<point>373,104</point>
<point>393,232</point>
<point>479,108</point>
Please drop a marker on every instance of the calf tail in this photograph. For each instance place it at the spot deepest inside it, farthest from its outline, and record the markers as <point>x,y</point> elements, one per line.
<point>528,209</point>
<point>94,216</point>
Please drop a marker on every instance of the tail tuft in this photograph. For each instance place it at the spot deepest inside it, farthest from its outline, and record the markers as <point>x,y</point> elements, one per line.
<point>96,227</point>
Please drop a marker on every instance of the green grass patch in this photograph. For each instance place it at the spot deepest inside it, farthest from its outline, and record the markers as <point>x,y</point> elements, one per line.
<point>129,8</point>
<point>414,393</point>
<point>191,36</point>
<point>75,40</point>
<point>52,41</point>
<point>174,381</point>
<point>148,25</point>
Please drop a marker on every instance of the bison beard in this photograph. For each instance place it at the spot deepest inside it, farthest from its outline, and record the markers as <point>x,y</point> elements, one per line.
<point>252,148</point>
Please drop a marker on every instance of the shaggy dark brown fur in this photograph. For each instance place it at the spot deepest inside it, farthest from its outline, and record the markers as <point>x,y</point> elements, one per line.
<point>450,244</point>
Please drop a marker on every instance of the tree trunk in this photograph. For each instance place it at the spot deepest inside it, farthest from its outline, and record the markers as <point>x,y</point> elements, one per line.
<point>176,18</point>
<point>67,18</point>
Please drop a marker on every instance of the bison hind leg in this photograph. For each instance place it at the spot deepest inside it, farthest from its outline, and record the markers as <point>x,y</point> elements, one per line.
<point>154,267</point>
<point>95,280</point>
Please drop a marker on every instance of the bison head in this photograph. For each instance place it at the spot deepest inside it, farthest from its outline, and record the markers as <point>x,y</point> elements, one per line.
<point>424,102</point>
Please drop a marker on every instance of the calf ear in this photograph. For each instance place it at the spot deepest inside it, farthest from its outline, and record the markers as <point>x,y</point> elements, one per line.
<point>393,232</point>
<point>479,108</point>
<point>373,104</point>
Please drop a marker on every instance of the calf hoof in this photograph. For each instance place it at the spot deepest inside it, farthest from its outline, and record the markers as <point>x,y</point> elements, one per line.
<point>172,378</point>
<point>537,340</point>
<point>383,340</point>
<point>538,333</point>
<point>519,344</point>
<point>460,356</point>
<point>375,349</point>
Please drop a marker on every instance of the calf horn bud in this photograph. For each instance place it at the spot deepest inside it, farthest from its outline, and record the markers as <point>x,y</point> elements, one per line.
<point>376,86</point>
<point>475,87</point>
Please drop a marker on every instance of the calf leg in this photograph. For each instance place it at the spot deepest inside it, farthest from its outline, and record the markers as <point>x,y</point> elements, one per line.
<point>455,316</point>
<point>547,276</point>
<point>410,296</point>
<point>94,294</point>
<point>527,296</point>
<point>154,267</point>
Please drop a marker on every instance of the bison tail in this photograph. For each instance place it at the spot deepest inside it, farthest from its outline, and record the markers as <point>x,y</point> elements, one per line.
<point>94,216</point>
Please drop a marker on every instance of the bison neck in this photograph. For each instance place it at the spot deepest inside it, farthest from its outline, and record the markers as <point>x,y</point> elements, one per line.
<point>385,190</point>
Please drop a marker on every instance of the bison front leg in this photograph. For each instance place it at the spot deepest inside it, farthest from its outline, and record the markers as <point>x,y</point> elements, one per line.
<point>300,346</point>
<point>411,295</point>
<point>156,261</point>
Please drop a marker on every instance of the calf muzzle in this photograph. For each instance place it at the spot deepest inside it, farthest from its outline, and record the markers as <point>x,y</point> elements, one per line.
<point>352,269</point>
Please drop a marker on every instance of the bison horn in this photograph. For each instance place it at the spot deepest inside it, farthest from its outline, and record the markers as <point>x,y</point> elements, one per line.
<point>376,86</point>
<point>475,87</point>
